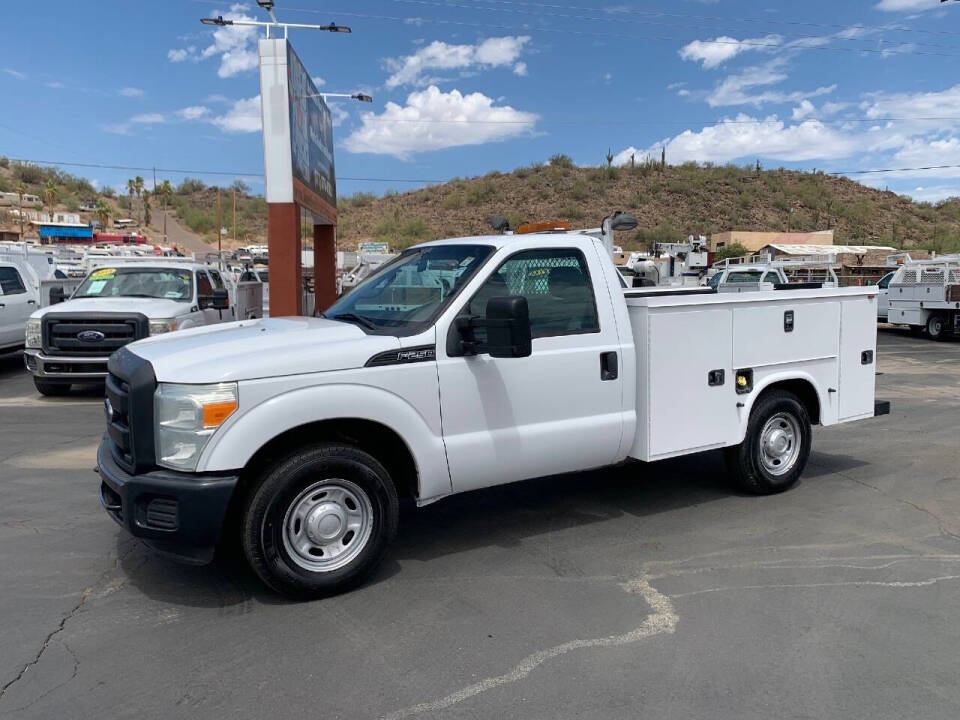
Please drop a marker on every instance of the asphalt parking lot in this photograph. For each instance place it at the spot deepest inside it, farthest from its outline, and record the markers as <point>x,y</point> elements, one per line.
<point>640,592</point>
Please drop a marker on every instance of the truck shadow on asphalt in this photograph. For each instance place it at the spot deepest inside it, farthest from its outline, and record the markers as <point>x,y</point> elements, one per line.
<point>11,364</point>
<point>503,516</point>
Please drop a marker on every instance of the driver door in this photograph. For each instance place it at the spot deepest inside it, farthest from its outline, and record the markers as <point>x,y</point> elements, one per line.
<point>558,410</point>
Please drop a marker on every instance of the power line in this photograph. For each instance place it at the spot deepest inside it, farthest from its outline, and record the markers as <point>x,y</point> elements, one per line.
<point>591,121</point>
<point>400,180</point>
<point>890,170</point>
<point>613,15</point>
<point>587,33</point>
<point>714,18</point>
<point>180,171</point>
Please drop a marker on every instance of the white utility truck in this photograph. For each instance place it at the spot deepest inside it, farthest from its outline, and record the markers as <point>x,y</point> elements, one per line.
<point>925,294</point>
<point>120,301</point>
<point>459,365</point>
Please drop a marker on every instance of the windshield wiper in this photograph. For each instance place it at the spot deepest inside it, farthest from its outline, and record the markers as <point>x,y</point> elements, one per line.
<point>357,319</point>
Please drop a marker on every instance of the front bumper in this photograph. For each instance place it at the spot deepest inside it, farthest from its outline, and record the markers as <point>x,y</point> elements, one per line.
<point>62,367</point>
<point>178,514</point>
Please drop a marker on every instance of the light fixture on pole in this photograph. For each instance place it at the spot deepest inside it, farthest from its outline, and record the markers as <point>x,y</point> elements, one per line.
<point>361,97</point>
<point>222,22</point>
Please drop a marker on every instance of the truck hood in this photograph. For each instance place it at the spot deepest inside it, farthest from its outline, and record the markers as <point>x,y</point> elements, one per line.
<point>151,307</point>
<point>251,349</point>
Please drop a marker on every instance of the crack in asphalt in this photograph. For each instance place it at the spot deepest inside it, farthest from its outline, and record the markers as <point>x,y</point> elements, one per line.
<point>937,519</point>
<point>84,596</point>
<point>662,619</point>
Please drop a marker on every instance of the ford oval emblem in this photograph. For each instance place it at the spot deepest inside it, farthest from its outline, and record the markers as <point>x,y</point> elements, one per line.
<point>90,336</point>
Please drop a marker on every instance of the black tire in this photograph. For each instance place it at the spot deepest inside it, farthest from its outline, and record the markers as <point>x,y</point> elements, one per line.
<point>937,327</point>
<point>265,539</point>
<point>745,462</point>
<point>51,389</point>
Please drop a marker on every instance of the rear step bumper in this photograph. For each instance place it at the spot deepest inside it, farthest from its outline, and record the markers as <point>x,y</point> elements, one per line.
<point>881,407</point>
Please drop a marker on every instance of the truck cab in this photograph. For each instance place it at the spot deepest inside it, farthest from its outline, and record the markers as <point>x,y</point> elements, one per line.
<point>117,303</point>
<point>462,364</point>
<point>18,299</point>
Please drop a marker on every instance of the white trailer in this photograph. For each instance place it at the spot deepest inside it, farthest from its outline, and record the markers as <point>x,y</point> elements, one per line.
<point>925,294</point>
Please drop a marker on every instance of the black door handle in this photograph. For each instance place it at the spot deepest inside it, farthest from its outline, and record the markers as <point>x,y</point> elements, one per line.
<point>31,302</point>
<point>608,365</point>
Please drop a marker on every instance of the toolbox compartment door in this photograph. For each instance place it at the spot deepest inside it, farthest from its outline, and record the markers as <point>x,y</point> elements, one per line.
<point>858,358</point>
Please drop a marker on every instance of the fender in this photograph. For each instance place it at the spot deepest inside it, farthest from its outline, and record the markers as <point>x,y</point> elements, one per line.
<point>765,377</point>
<point>232,446</point>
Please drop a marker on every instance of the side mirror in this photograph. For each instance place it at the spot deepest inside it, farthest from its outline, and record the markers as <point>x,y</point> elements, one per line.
<point>57,295</point>
<point>220,299</point>
<point>508,327</point>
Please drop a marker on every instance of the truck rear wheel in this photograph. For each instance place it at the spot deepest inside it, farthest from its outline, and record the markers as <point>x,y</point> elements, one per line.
<point>320,521</point>
<point>51,389</point>
<point>775,450</point>
<point>936,327</point>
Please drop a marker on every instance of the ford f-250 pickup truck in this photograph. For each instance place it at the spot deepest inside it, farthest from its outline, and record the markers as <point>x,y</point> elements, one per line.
<point>459,365</point>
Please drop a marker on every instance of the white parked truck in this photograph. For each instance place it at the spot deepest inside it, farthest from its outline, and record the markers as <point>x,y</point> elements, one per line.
<point>119,302</point>
<point>925,295</point>
<point>459,365</point>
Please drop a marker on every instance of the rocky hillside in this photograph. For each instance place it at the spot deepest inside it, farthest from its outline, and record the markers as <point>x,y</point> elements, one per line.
<point>669,202</point>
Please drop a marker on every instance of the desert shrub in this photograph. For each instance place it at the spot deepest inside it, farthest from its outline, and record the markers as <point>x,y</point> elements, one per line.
<point>561,160</point>
<point>190,186</point>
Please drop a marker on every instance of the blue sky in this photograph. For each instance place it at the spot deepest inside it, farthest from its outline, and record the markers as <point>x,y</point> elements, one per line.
<point>462,87</point>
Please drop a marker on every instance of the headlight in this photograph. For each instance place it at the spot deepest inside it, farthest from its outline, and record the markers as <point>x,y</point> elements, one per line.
<point>162,326</point>
<point>33,339</point>
<point>185,416</point>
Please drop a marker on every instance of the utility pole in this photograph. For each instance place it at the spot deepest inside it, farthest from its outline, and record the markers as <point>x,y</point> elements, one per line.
<point>219,223</point>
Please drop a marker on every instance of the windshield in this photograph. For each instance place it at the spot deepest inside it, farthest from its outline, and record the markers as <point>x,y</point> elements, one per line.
<point>138,282</point>
<point>405,295</point>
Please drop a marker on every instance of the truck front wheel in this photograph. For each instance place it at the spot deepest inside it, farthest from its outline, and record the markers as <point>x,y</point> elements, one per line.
<point>320,521</point>
<point>776,447</point>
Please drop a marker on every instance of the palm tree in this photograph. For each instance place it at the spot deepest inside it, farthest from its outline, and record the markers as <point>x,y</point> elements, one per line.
<point>103,213</point>
<point>132,189</point>
<point>165,189</point>
<point>50,196</point>
<point>138,185</point>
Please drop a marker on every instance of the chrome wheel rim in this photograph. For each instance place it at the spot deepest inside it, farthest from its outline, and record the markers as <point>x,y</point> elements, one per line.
<point>780,444</point>
<point>328,525</point>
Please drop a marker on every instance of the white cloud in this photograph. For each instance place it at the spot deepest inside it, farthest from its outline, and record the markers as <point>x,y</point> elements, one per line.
<point>194,112</point>
<point>520,69</point>
<point>934,194</point>
<point>318,81</point>
<point>148,118</point>
<point>804,109</point>
<point>710,53</point>
<point>433,120</point>
<point>739,88</point>
<point>15,73</point>
<point>438,55</point>
<point>901,5</point>
<point>243,117</point>
<point>235,45</point>
<point>132,92</point>
<point>772,139</point>
<point>55,84</point>
<point>176,55</point>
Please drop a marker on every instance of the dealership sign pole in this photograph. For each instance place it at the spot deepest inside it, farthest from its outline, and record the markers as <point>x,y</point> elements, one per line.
<point>300,180</point>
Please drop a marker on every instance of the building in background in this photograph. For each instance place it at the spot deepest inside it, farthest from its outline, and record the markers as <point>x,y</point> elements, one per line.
<point>754,241</point>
